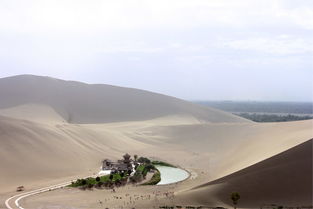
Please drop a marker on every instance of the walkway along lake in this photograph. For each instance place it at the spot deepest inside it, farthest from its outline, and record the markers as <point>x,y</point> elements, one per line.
<point>171,175</point>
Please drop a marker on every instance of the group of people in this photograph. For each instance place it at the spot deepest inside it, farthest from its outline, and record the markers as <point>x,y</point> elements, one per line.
<point>128,200</point>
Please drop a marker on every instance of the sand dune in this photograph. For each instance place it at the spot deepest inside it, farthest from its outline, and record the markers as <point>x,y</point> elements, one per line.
<point>271,176</point>
<point>35,151</point>
<point>51,130</point>
<point>78,102</point>
<point>284,179</point>
<point>31,152</point>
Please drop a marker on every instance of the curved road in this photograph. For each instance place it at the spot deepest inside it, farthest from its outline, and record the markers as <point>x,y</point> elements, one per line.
<point>16,198</point>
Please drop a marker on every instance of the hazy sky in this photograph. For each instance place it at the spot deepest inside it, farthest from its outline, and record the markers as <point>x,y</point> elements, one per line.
<point>192,49</point>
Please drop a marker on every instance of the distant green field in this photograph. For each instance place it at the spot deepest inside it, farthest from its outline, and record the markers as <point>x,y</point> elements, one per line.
<point>265,111</point>
<point>273,117</point>
<point>261,107</point>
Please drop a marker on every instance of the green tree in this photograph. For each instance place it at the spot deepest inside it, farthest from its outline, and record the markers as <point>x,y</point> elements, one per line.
<point>97,178</point>
<point>144,160</point>
<point>84,182</point>
<point>99,184</point>
<point>90,185</point>
<point>150,167</point>
<point>235,197</point>
<point>135,157</point>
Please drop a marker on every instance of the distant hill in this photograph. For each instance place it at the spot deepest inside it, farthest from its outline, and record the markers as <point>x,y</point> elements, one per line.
<point>78,102</point>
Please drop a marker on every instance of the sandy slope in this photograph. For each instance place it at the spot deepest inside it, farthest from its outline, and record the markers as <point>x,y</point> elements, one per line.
<point>33,112</point>
<point>284,179</point>
<point>39,154</point>
<point>45,138</point>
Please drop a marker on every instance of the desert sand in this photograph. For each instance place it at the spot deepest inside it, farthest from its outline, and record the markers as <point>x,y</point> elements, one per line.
<point>53,131</point>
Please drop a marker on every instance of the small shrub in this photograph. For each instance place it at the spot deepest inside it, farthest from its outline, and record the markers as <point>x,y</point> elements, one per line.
<point>143,160</point>
<point>150,167</point>
<point>118,183</point>
<point>83,182</point>
<point>235,197</point>
<point>135,157</point>
<point>99,184</point>
<point>89,185</point>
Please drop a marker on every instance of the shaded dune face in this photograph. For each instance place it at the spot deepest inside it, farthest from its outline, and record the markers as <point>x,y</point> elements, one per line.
<point>98,103</point>
<point>284,179</point>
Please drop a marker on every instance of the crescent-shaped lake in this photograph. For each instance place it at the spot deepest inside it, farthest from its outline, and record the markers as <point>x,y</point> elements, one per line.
<point>171,175</point>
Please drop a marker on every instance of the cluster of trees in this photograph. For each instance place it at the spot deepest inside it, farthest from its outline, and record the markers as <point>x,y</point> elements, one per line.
<point>109,181</point>
<point>273,117</point>
<point>119,178</point>
<point>156,178</point>
<point>142,170</point>
<point>147,166</point>
<point>144,160</point>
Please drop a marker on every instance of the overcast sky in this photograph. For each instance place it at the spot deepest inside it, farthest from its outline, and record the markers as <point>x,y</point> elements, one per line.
<point>191,49</point>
